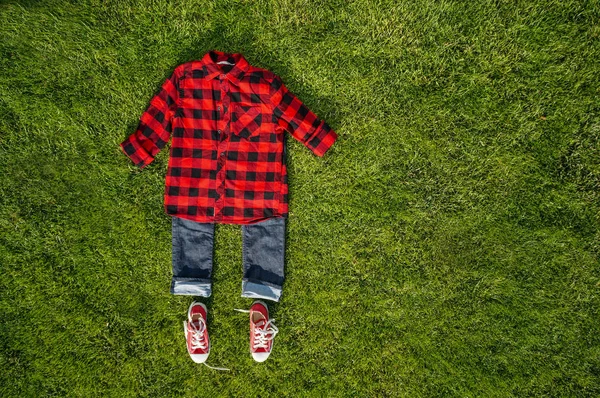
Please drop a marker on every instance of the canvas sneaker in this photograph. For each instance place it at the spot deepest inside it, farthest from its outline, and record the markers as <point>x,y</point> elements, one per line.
<point>262,331</point>
<point>196,333</point>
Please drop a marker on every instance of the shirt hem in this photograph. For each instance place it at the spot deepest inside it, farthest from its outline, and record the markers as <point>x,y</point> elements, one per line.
<point>237,221</point>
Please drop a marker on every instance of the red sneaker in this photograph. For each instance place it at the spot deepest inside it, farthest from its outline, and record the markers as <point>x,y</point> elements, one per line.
<point>196,333</point>
<point>262,331</point>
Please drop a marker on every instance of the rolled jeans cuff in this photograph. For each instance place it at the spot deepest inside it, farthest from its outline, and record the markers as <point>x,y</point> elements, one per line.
<point>191,286</point>
<point>262,290</point>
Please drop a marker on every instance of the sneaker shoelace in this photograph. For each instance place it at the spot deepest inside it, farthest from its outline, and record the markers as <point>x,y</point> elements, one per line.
<point>198,334</point>
<point>198,340</point>
<point>263,331</point>
<point>215,368</point>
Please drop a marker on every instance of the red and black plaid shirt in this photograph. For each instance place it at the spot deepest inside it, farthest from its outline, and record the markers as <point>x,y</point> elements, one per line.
<point>227,156</point>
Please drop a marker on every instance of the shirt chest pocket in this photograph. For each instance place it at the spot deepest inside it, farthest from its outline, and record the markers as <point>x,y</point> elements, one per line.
<point>247,120</point>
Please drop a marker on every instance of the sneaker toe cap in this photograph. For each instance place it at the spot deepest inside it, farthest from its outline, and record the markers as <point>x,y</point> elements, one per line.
<point>260,356</point>
<point>199,358</point>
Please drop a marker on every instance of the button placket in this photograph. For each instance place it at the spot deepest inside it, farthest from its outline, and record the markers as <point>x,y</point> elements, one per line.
<point>222,147</point>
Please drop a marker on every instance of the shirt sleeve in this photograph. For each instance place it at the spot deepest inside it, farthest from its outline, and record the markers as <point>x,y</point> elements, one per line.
<point>304,125</point>
<point>154,127</point>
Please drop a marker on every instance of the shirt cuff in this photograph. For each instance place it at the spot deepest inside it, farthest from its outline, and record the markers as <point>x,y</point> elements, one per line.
<point>323,140</point>
<point>136,153</point>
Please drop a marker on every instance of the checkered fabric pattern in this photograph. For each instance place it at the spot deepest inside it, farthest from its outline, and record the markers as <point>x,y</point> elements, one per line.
<point>226,120</point>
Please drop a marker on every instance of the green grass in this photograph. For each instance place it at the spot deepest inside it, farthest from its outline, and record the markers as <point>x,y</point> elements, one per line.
<point>447,245</point>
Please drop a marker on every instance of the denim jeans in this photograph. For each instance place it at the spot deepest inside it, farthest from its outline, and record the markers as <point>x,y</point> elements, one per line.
<point>262,258</point>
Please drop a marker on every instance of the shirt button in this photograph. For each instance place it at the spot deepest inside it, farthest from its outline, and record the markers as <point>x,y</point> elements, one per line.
<point>222,153</point>
<point>218,108</point>
<point>219,131</point>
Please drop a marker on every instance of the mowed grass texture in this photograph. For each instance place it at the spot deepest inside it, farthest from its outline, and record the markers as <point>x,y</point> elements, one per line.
<point>446,245</point>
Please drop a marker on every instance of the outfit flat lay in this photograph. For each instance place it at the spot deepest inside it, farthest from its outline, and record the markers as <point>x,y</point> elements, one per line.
<point>226,121</point>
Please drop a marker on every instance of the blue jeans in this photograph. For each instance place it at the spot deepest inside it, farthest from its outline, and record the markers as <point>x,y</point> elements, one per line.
<point>262,258</point>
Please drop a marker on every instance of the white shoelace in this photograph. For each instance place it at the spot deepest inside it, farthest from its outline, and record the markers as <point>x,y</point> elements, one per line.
<point>198,334</point>
<point>215,368</point>
<point>263,334</point>
<point>198,340</point>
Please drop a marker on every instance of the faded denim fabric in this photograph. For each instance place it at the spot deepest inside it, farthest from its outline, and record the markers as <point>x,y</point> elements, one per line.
<point>263,249</point>
<point>192,256</point>
<point>263,253</point>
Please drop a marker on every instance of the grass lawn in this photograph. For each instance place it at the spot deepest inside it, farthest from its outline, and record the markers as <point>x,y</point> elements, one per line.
<point>448,244</point>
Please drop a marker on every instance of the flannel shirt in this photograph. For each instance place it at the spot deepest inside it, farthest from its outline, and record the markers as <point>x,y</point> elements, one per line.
<point>226,120</point>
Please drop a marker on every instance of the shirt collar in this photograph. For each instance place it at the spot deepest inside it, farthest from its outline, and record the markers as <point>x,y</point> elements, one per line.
<point>212,69</point>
